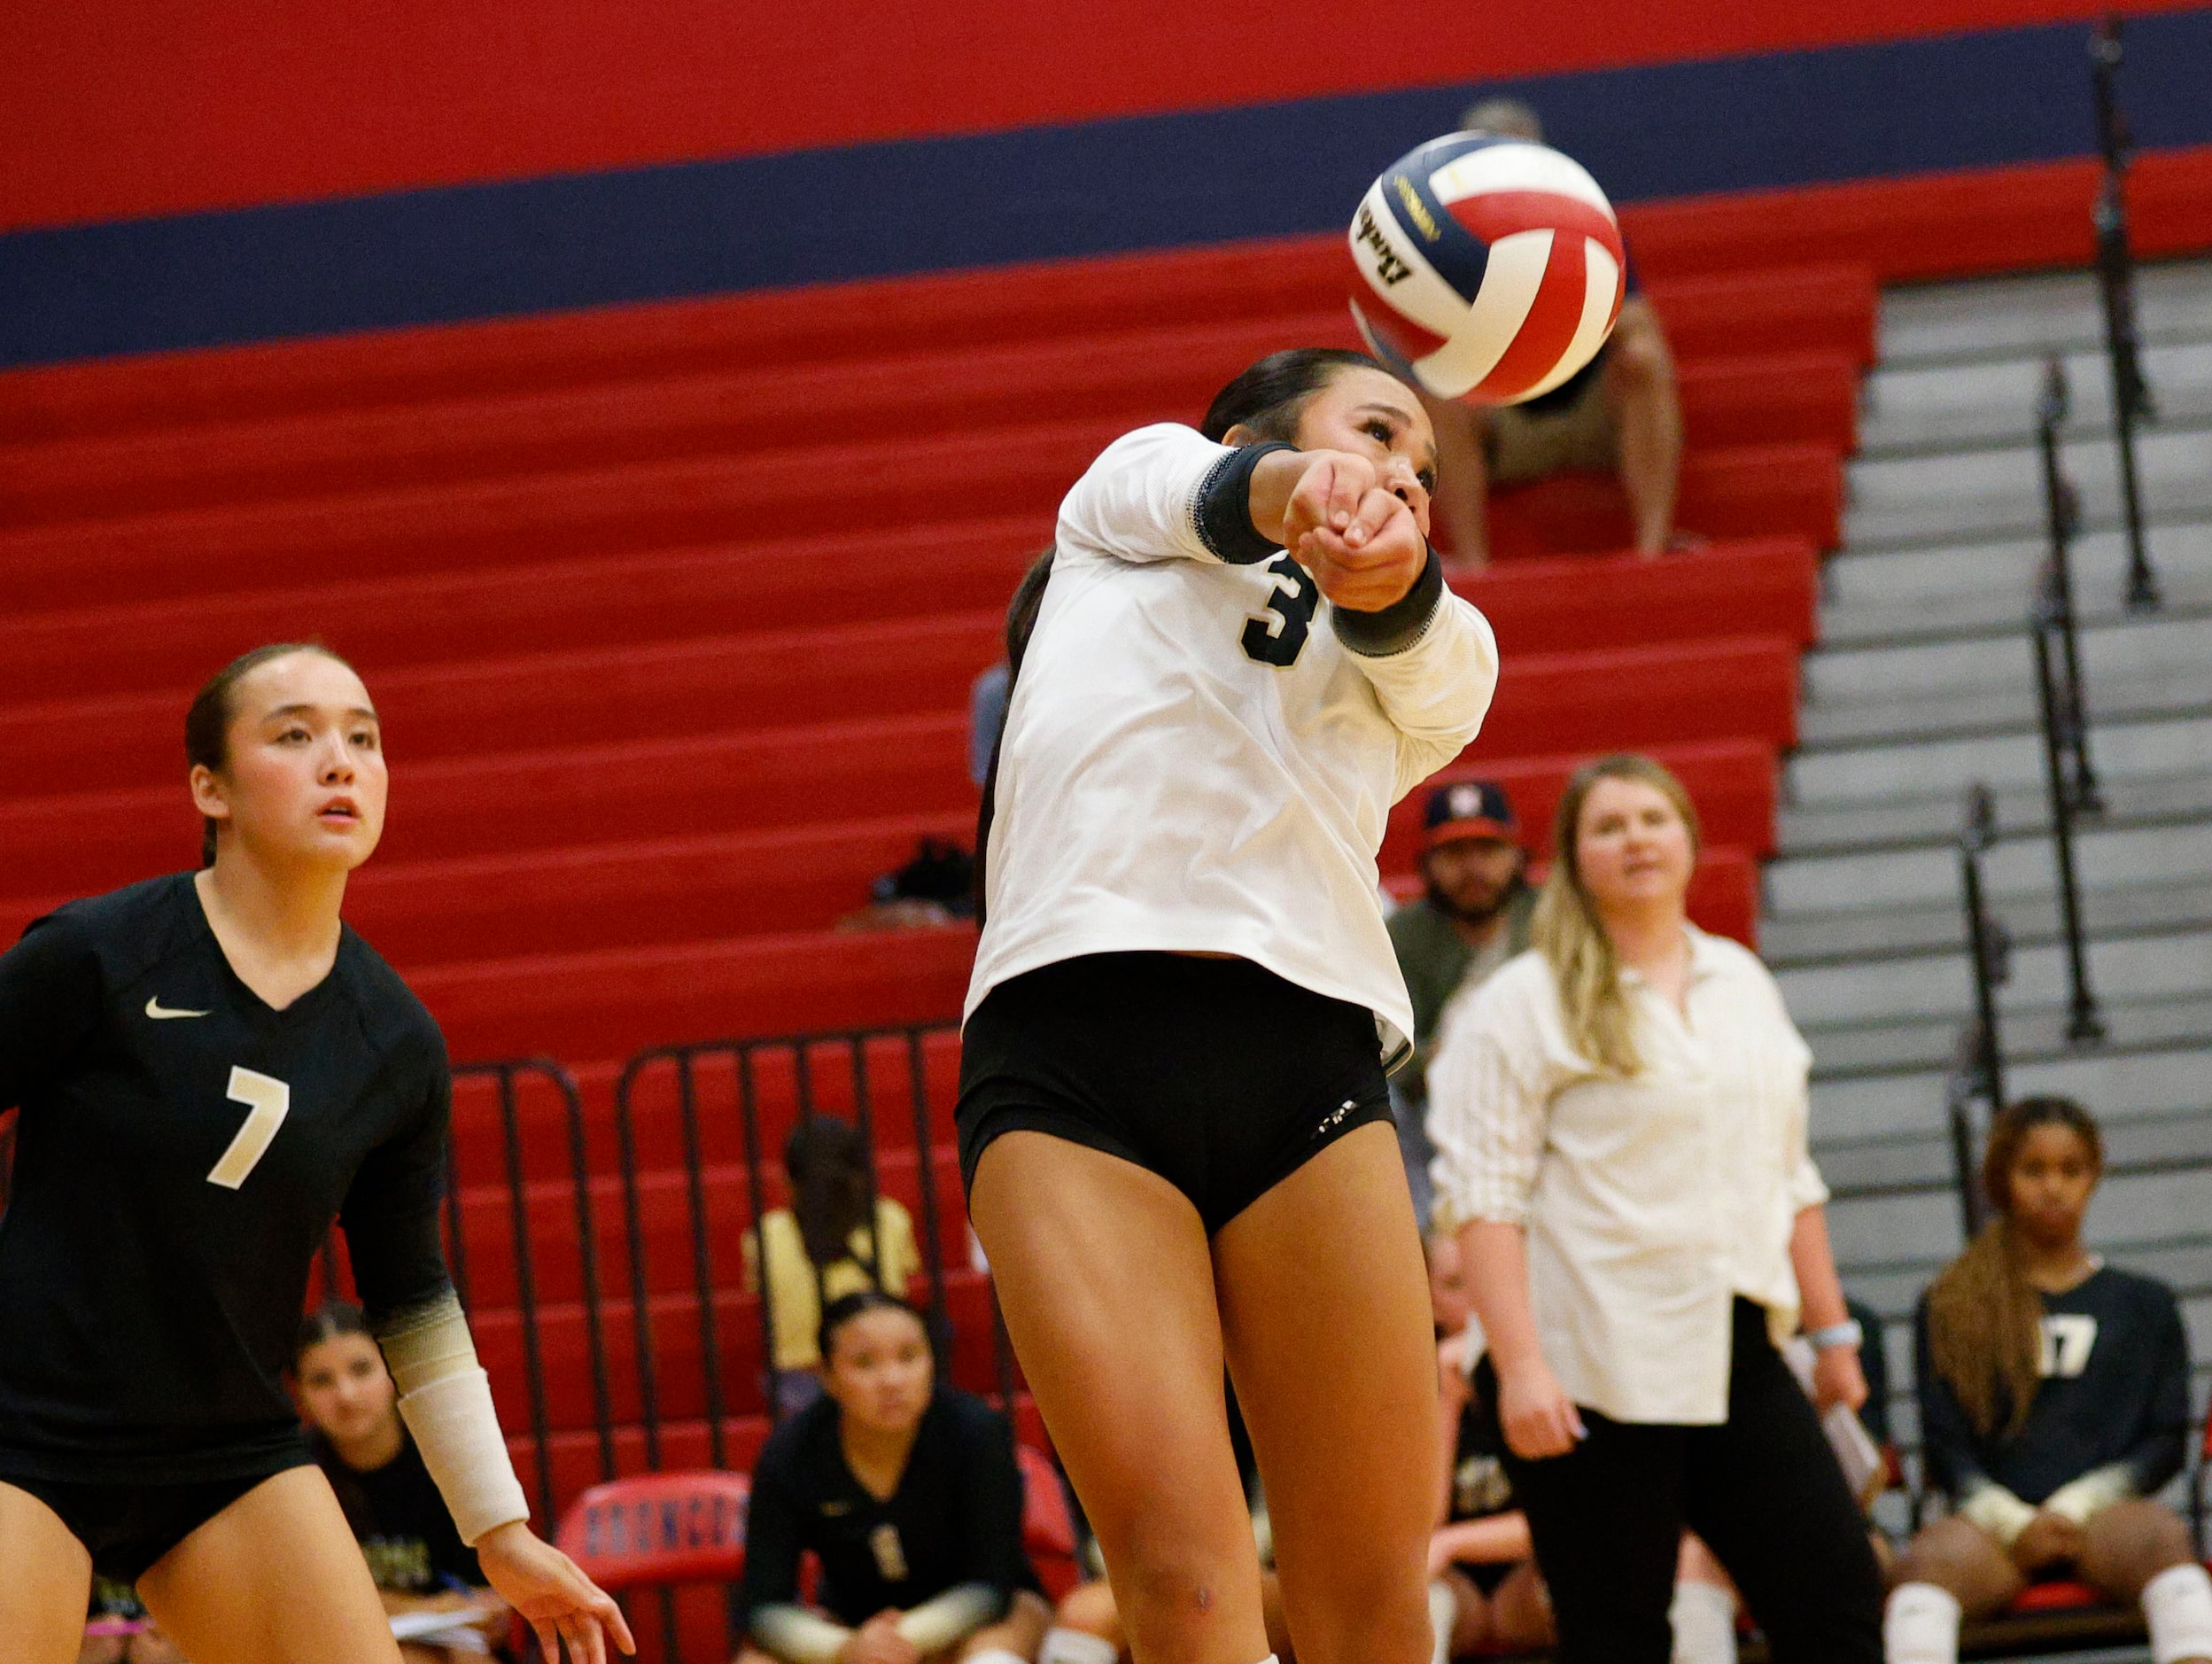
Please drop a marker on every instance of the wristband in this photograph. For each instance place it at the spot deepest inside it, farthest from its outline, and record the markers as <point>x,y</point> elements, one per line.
<point>1848,1333</point>
<point>1221,511</point>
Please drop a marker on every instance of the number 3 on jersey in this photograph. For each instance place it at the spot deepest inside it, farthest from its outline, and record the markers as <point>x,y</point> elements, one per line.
<point>268,1100</point>
<point>1278,638</point>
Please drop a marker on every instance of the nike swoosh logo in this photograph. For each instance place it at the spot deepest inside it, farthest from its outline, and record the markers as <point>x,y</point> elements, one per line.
<point>159,1012</point>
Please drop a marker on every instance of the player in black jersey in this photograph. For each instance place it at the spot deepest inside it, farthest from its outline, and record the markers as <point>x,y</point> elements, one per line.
<point>909,1494</point>
<point>2054,1404</point>
<point>210,1069</point>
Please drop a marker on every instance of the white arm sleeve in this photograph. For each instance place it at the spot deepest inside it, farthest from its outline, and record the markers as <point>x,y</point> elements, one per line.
<point>796,1635</point>
<point>2079,1499</point>
<point>445,1400</point>
<point>1138,500</point>
<point>1997,1512</point>
<point>1436,691</point>
<point>951,1617</point>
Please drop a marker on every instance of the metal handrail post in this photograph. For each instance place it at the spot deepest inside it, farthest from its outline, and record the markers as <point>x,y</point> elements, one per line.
<point>2055,599</point>
<point>2083,1022</point>
<point>2115,276</point>
<point>1986,944</point>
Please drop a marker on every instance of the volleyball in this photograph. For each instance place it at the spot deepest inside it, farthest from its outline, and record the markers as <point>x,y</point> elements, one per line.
<point>1489,268</point>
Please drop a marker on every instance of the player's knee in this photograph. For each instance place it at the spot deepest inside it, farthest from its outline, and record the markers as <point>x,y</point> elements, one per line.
<point>1170,1569</point>
<point>2139,1539</point>
<point>1089,1608</point>
<point>1943,1555</point>
<point>1380,1609</point>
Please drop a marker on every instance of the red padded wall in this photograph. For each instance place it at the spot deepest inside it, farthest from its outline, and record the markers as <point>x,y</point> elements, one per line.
<point>112,109</point>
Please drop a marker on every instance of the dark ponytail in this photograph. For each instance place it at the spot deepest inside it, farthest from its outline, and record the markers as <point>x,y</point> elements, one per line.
<point>1984,1316</point>
<point>832,1185</point>
<point>1269,396</point>
<point>207,721</point>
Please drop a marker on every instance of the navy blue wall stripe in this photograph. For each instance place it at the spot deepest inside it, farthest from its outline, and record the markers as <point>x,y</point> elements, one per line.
<point>876,210</point>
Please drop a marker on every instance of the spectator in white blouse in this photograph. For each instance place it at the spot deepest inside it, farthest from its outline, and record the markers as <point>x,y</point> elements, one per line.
<point>1619,1117</point>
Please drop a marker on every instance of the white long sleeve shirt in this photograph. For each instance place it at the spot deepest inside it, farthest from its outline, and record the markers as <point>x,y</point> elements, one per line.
<point>1179,773</point>
<point>1650,1202</point>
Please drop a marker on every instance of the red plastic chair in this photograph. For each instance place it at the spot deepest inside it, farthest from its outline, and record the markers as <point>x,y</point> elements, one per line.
<point>660,1530</point>
<point>1047,1532</point>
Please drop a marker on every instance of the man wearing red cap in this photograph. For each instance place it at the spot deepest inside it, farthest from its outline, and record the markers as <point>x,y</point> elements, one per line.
<point>1472,919</point>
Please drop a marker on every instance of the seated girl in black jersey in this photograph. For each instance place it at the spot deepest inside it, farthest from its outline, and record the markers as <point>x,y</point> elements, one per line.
<point>908,1493</point>
<point>354,1432</point>
<point>2054,1403</point>
<point>211,1070</point>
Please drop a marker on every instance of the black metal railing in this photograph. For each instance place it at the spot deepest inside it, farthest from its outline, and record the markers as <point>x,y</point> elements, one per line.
<point>711,1111</point>
<point>508,1080</point>
<point>2131,400</point>
<point>2069,778</point>
<point>1978,1075</point>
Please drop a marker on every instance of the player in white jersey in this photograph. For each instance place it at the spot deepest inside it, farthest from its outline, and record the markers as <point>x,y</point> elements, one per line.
<point>1173,1117</point>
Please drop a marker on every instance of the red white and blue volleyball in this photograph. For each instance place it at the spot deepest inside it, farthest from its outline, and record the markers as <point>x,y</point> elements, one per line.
<point>1490,268</point>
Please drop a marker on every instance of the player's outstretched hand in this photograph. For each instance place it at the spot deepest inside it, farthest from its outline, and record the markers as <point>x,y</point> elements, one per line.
<point>1359,540</point>
<point>551,1592</point>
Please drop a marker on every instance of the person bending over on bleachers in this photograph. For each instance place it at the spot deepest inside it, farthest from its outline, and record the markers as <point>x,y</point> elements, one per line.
<point>909,1494</point>
<point>1620,1123</point>
<point>822,1247</point>
<point>1621,413</point>
<point>354,1433</point>
<point>2055,1402</point>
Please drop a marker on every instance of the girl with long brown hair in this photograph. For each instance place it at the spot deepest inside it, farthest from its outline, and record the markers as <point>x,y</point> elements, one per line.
<point>2054,1403</point>
<point>1619,1116</point>
<point>213,1070</point>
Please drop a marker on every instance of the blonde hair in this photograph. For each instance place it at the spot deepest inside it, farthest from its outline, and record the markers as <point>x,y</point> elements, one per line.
<point>1566,929</point>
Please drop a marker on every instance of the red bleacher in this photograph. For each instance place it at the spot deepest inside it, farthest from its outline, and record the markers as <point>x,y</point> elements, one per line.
<point>671,612</point>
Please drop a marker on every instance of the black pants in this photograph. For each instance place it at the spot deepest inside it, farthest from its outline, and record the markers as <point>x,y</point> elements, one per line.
<point>1763,1489</point>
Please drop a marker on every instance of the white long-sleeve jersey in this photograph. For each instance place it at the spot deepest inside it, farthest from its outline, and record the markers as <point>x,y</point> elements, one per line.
<point>1194,759</point>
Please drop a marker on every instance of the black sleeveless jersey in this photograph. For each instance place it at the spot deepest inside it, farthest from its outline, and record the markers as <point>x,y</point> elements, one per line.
<point>181,1150</point>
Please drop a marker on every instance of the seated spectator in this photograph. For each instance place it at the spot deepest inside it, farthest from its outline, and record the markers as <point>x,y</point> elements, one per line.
<point>407,1533</point>
<point>908,1493</point>
<point>1472,916</point>
<point>2054,1403</point>
<point>1619,414</point>
<point>823,1247</point>
<point>117,1629</point>
<point>1488,1594</point>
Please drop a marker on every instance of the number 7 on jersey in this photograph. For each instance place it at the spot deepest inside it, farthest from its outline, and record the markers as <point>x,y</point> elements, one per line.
<point>268,1100</point>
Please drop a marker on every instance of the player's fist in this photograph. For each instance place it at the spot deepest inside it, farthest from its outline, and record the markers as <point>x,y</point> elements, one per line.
<point>1358,539</point>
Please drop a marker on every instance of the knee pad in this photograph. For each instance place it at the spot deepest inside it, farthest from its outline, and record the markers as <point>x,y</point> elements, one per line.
<point>1075,1646</point>
<point>1921,1625</point>
<point>1443,1614</point>
<point>2178,1606</point>
<point>1702,1616</point>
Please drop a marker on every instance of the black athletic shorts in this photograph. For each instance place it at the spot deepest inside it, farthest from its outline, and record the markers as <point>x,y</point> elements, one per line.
<point>127,1528</point>
<point>1216,1074</point>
